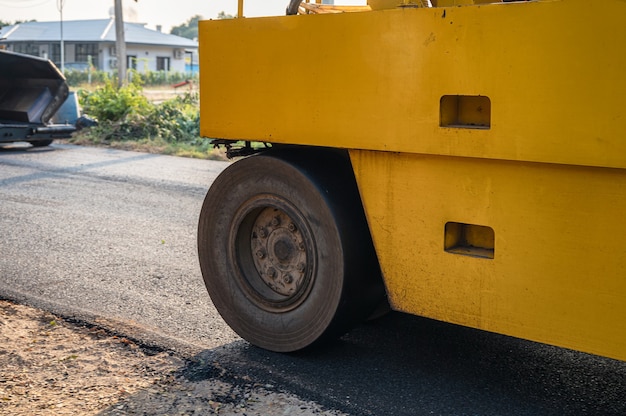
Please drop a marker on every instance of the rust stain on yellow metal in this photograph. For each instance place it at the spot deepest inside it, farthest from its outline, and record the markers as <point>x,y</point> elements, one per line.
<point>544,166</point>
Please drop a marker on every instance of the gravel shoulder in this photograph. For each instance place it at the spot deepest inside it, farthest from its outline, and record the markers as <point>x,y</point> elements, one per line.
<point>51,366</point>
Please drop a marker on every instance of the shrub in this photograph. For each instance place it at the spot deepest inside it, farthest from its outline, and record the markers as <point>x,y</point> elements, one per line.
<point>110,103</point>
<point>176,120</point>
<point>125,114</point>
<point>149,78</point>
<point>75,78</point>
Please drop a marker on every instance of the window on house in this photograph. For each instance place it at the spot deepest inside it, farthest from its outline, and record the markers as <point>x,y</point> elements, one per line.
<point>162,63</point>
<point>131,62</point>
<point>26,48</point>
<point>54,53</point>
<point>84,50</point>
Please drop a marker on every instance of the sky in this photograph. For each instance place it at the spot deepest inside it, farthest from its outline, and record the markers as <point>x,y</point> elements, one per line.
<point>166,13</point>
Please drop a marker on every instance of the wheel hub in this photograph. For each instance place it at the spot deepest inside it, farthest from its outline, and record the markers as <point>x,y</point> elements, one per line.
<point>279,252</point>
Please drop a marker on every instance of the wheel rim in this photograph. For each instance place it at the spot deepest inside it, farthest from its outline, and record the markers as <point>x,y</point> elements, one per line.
<point>274,254</point>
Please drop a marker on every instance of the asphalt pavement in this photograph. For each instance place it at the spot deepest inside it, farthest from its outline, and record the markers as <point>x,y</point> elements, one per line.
<point>108,236</point>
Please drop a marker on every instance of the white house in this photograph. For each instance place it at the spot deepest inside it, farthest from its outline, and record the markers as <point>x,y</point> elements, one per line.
<point>146,49</point>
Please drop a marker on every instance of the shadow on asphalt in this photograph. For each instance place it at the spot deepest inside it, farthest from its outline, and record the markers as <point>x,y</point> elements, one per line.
<point>397,365</point>
<point>22,147</point>
<point>405,365</point>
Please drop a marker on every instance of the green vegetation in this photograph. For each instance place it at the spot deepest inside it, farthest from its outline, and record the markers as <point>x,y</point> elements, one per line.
<point>149,78</point>
<point>189,29</point>
<point>3,23</point>
<point>223,15</point>
<point>109,103</point>
<point>128,120</point>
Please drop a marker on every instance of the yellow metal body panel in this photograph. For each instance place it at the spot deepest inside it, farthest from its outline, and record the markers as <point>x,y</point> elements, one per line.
<point>508,116</point>
<point>553,70</point>
<point>558,273</point>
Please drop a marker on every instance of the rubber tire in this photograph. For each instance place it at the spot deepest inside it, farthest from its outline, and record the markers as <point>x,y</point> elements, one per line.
<point>41,143</point>
<point>346,285</point>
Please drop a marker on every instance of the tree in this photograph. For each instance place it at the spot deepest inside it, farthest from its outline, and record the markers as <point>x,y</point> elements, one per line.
<point>223,15</point>
<point>188,29</point>
<point>3,23</point>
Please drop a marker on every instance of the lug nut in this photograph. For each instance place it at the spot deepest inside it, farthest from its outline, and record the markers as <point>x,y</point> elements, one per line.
<point>260,254</point>
<point>262,233</point>
<point>276,221</point>
<point>292,227</point>
<point>287,279</point>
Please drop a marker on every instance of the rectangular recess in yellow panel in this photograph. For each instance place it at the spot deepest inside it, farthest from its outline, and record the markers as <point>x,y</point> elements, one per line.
<point>465,111</point>
<point>469,240</point>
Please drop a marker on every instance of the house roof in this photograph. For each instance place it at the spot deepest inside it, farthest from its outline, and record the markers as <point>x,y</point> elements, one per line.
<point>101,30</point>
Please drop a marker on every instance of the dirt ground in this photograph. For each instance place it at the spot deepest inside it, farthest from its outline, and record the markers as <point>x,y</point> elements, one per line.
<point>49,366</point>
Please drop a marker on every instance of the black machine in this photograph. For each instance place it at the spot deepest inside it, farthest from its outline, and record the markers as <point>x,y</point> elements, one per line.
<point>36,105</point>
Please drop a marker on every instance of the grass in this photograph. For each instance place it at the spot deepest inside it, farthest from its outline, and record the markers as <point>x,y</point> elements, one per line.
<point>156,146</point>
<point>150,120</point>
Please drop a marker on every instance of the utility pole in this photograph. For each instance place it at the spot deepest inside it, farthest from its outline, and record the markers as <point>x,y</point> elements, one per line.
<point>60,4</point>
<point>120,44</point>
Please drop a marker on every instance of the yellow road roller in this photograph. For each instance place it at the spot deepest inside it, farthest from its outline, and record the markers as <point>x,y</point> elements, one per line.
<point>462,160</point>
